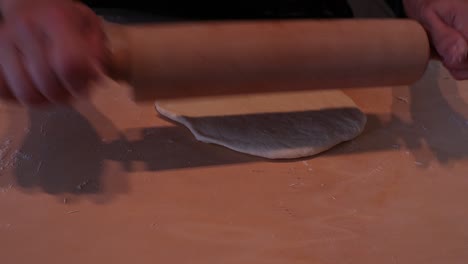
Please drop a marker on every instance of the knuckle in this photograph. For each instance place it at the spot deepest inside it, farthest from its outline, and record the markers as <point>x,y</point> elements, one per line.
<point>55,14</point>
<point>427,10</point>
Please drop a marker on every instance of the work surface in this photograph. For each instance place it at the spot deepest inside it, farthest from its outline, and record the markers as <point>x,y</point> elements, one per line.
<point>111,182</point>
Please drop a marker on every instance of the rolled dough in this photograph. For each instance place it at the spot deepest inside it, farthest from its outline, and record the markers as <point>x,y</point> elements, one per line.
<point>274,126</point>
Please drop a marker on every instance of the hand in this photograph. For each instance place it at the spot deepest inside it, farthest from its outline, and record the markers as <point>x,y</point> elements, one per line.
<point>50,50</point>
<point>447,24</point>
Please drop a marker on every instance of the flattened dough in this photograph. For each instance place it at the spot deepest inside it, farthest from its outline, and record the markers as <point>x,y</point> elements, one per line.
<point>273,126</point>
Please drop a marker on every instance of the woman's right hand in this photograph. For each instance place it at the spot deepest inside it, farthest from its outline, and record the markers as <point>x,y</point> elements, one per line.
<point>50,50</point>
<point>446,21</point>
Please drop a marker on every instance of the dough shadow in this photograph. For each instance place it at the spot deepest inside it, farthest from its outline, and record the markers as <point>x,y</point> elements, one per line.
<point>170,148</point>
<point>63,153</point>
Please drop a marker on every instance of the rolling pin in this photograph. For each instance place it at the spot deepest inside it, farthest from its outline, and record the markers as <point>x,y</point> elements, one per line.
<point>174,60</point>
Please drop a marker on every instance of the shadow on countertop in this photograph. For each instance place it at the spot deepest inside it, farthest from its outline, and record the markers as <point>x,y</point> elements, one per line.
<point>66,154</point>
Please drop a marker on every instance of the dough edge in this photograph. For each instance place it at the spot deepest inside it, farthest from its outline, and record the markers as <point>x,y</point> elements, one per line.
<point>284,154</point>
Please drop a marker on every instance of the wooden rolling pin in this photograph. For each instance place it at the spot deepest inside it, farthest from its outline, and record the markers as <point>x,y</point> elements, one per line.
<point>219,58</point>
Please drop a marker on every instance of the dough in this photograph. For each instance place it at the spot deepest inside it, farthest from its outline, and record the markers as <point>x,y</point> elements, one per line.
<point>275,126</point>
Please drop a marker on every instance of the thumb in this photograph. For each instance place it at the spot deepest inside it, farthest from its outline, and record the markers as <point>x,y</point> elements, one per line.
<point>449,43</point>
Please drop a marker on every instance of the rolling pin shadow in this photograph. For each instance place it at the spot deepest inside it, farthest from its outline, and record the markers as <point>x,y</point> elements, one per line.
<point>176,60</point>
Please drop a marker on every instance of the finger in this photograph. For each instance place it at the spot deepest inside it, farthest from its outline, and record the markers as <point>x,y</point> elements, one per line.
<point>36,62</point>
<point>451,18</point>
<point>16,76</point>
<point>97,45</point>
<point>449,43</point>
<point>458,23</point>
<point>70,58</point>
<point>93,31</point>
